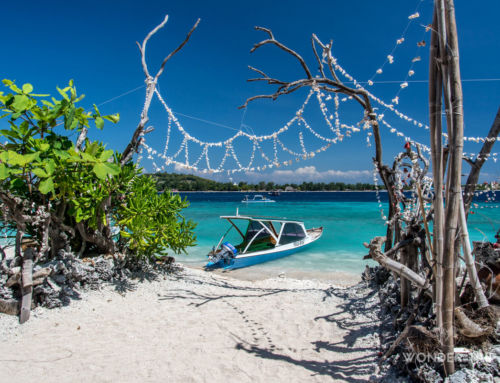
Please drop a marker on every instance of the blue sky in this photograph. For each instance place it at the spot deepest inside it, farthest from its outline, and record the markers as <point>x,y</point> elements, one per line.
<point>93,42</point>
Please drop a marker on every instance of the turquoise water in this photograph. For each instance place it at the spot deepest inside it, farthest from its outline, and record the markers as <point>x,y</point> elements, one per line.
<point>348,219</point>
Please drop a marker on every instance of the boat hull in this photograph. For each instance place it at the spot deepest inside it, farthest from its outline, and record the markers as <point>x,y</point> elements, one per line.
<point>271,201</point>
<point>245,260</point>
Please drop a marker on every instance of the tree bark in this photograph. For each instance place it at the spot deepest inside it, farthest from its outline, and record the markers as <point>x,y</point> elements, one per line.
<point>435,107</point>
<point>454,190</point>
<point>104,244</point>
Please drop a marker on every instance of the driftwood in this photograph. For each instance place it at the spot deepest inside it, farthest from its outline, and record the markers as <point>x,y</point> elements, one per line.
<point>384,259</point>
<point>468,327</point>
<point>421,339</point>
<point>38,277</point>
<point>9,307</point>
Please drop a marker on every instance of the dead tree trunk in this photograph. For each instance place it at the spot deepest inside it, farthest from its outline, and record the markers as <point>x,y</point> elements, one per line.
<point>448,44</point>
<point>329,83</point>
<point>386,261</point>
<point>481,158</point>
<point>435,107</point>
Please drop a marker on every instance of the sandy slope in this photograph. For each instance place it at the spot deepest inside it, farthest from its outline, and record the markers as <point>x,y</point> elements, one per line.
<point>198,327</point>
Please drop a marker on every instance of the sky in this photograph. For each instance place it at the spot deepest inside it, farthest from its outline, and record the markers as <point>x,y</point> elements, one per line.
<point>94,42</point>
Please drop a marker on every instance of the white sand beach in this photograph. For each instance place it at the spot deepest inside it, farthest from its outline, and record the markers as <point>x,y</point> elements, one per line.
<point>199,327</point>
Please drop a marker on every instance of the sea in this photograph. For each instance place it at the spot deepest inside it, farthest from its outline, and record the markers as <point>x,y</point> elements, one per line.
<point>348,220</point>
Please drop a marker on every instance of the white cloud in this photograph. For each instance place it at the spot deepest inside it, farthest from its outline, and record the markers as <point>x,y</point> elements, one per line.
<point>311,174</point>
<point>299,175</point>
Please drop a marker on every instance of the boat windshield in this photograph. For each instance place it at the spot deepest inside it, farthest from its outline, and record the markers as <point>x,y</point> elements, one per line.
<point>292,232</point>
<point>254,227</point>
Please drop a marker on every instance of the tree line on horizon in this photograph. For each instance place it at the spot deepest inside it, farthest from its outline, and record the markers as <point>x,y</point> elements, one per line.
<point>189,182</point>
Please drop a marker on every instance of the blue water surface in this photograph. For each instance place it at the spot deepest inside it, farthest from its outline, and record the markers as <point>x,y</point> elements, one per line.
<point>348,219</point>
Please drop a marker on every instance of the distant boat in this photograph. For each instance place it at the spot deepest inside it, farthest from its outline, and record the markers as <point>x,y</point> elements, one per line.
<point>257,198</point>
<point>265,239</point>
<point>275,193</point>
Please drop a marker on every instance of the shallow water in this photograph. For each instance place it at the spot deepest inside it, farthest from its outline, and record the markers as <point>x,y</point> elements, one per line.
<point>348,219</point>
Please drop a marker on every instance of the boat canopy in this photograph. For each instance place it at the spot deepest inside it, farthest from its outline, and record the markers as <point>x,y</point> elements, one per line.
<point>265,232</point>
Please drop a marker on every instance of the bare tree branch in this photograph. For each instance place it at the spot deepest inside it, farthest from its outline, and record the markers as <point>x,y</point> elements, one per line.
<point>272,40</point>
<point>476,165</point>
<point>145,41</point>
<point>177,49</point>
<point>150,89</point>
<point>320,63</point>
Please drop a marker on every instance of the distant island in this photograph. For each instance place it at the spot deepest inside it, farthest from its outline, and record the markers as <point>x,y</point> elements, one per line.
<point>189,182</point>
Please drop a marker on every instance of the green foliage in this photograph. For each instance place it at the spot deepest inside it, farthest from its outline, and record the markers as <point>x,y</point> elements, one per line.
<point>83,186</point>
<point>151,222</point>
<point>38,162</point>
<point>188,182</point>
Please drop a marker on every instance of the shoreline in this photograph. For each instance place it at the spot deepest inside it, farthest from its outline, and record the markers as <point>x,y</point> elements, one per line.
<point>249,274</point>
<point>296,191</point>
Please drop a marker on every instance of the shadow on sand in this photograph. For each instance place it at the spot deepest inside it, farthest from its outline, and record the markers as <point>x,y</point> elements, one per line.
<point>361,330</point>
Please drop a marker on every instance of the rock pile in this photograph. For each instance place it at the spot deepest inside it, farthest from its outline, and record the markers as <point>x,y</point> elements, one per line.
<point>416,358</point>
<point>59,280</point>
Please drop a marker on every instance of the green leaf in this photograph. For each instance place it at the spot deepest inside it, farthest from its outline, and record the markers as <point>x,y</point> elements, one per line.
<point>102,170</point>
<point>62,154</point>
<point>44,147</point>
<point>92,148</point>
<point>21,102</point>
<point>106,155</point>
<point>78,215</point>
<point>4,171</point>
<point>99,123</point>
<point>46,186</point>
<point>27,88</point>
<point>24,159</point>
<point>40,173</point>
<point>114,118</point>
<point>74,124</point>
<point>68,118</point>
<point>88,157</point>
<point>62,93</point>
<point>50,167</point>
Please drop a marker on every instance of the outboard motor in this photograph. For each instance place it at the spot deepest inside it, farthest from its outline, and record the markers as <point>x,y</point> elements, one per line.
<point>226,253</point>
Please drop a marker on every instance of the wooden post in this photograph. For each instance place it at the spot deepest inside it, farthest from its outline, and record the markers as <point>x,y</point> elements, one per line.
<point>435,107</point>
<point>405,285</point>
<point>27,284</point>
<point>454,190</point>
